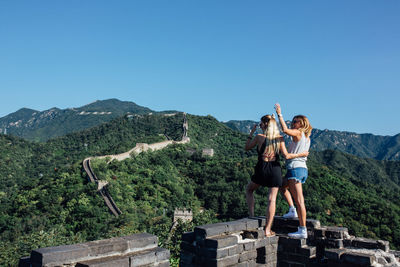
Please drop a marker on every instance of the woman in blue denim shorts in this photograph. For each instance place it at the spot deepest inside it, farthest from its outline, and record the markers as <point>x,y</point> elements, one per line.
<point>297,172</point>
<point>267,172</point>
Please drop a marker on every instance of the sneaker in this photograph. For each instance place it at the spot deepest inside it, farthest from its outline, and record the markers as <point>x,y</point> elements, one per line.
<point>301,233</point>
<point>291,214</point>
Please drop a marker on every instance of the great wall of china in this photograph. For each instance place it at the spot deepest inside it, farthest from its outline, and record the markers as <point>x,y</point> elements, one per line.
<point>139,148</point>
<point>240,243</point>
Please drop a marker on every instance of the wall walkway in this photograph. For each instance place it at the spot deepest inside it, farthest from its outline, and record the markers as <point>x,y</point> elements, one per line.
<point>139,148</point>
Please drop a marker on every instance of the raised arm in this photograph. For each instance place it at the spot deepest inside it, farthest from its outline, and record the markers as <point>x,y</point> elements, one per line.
<point>292,132</point>
<point>251,142</point>
<point>290,155</point>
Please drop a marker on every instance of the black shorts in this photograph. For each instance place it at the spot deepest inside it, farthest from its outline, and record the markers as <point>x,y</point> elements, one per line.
<point>267,173</point>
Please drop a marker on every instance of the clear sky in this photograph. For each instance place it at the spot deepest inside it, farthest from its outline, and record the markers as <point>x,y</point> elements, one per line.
<point>338,62</point>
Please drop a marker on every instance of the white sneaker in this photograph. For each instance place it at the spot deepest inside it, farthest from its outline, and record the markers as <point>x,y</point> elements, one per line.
<point>291,214</point>
<point>301,233</point>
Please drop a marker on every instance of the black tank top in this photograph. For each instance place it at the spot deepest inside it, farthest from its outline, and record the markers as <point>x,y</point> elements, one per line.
<point>262,149</point>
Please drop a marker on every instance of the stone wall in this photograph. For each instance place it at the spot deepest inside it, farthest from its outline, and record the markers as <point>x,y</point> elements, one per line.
<point>128,251</point>
<point>236,243</point>
<point>242,243</point>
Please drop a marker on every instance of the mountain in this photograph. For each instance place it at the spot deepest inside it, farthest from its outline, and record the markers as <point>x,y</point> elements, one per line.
<point>46,200</point>
<point>362,145</point>
<point>43,125</point>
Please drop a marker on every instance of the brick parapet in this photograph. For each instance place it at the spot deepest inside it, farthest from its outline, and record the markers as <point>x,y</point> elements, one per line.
<point>242,243</point>
<point>134,250</point>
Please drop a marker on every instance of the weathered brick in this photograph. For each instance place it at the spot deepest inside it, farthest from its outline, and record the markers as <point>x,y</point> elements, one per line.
<point>273,239</point>
<point>335,232</point>
<point>186,259</point>
<point>266,250</point>
<point>334,254</point>
<point>261,220</point>
<point>213,253</point>
<point>286,248</point>
<point>347,242</point>
<point>266,259</point>
<point>313,224</point>
<point>334,243</point>
<point>188,237</point>
<point>107,246</point>
<point>248,255</point>
<point>227,261</point>
<point>60,254</point>
<point>240,248</point>
<point>251,224</point>
<point>250,263</point>
<point>284,222</point>
<point>249,245</point>
<point>308,251</point>
<point>298,258</point>
<point>294,223</point>
<point>370,244</point>
<point>287,241</point>
<point>221,241</point>
<point>162,264</point>
<point>143,258</point>
<point>188,247</point>
<point>271,264</point>
<point>233,250</point>
<point>284,264</point>
<point>236,226</point>
<point>162,254</point>
<point>105,262</point>
<point>261,243</point>
<point>24,262</point>
<point>260,233</point>
<point>207,230</point>
<point>141,241</point>
<point>319,232</point>
<point>358,258</point>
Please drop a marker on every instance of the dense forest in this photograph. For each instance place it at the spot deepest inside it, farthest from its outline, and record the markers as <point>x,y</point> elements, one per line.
<point>46,199</point>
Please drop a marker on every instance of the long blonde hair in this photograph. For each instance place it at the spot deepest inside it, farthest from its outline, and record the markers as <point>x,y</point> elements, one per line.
<point>272,135</point>
<point>305,125</point>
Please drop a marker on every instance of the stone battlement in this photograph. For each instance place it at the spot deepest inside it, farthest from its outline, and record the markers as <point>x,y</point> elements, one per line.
<point>242,243</point>
<point>236,243</point>
<point>134,250</point>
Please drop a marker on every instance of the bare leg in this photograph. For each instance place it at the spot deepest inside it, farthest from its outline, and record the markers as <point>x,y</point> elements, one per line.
<point>296,188</point>
<point>285,192</point>
<point>273,192</point>
<point>250,196</point>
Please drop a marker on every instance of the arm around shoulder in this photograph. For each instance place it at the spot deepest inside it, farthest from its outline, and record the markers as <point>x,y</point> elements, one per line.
<point>288,155</point>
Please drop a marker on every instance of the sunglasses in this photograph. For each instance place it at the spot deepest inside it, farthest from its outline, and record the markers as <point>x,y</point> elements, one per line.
<point>295,121</point>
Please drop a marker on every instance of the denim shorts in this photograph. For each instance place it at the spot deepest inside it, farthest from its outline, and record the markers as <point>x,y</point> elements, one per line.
<point>299,174</point>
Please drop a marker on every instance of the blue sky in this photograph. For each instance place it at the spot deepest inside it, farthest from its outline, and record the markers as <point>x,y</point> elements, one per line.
<point>338,62</point>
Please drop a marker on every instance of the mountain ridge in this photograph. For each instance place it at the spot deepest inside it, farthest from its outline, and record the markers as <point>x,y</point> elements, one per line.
<point>381,147</point>
<point>44,125</point>
<point>43,190</point>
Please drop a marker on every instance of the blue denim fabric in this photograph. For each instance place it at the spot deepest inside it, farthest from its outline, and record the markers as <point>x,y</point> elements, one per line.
<point>299,174</point>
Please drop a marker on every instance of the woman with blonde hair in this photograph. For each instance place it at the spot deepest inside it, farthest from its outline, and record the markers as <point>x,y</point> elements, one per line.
<point>268,171</point>
<point>297,172</point>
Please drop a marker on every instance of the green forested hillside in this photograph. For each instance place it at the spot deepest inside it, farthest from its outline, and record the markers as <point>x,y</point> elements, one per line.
<point>44,125</point>
<point>45,199</point>
<point>44,195</point>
